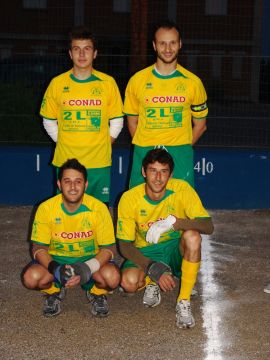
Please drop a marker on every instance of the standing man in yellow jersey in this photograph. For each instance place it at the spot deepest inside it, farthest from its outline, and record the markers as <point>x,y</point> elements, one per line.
<point>166,107</point>
<point>82,113</point>
<point>72,243</point>
<point>159,227</point>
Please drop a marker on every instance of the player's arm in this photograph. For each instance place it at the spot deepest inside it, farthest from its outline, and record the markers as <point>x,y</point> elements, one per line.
<point>132,122</point>
<point>130,252</point>
<point>202,225</point>
<point>116,125</point>
<point>106,254</point>
<point>41,255</point>
<point>199,127</point>
<point>51,127</point>
<point>159,272</point>
<point>86,269</point>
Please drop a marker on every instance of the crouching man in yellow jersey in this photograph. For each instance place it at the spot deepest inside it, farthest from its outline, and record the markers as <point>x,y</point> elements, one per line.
<point>159,227</point>
<point>72,243</point>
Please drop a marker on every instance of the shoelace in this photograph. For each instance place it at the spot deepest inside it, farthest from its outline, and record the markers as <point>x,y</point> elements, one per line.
<point>100,300</point>
<point>184,309</point>
<point>51,300</point>
<point>152,290</point>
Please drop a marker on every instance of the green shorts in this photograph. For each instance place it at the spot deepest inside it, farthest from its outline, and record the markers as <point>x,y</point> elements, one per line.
<point>167,252</point>
<point>183,163</point>
<point>99,182</point>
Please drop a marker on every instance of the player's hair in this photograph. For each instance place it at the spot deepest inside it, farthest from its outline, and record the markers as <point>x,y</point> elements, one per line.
<point>165,24</point>
<point>82,33</point>
<point>73,164</point>
<point>160,155</point>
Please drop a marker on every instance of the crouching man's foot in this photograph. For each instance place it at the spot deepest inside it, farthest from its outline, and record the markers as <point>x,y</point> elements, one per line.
<point>99,304</point>
<point>152,296</point>
<point>184,317</point>
<point>52,303</point>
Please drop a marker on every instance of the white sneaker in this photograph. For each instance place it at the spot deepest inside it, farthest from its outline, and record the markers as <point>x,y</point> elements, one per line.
<point>194,292</point>
<point>152,296</point>
<point>267,289</point>
<point>184,317</point>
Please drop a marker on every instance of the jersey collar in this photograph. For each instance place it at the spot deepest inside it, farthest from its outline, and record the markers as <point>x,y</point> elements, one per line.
<point>153,202</point>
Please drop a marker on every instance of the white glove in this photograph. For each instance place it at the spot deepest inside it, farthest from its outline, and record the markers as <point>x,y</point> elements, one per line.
<point>159,228</point>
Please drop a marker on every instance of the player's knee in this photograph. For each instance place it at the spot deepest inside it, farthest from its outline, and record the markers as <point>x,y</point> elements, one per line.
<point>31,279</point>
<point>192,240</point>
<point>111,276</point>
<point>130,281</point>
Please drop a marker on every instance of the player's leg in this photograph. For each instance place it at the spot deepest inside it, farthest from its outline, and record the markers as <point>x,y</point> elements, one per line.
<point>106,279</point>
<point>133,279</point>
<point>190,246</point>
<point>37,277</point>
<point>99,183</point>
<point>183,162</point>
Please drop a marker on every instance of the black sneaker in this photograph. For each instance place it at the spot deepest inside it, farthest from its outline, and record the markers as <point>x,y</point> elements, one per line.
<point>99,304</point>
<point>52,303</point>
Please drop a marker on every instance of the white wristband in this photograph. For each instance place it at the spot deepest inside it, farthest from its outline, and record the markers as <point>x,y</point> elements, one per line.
<point>93,264</point>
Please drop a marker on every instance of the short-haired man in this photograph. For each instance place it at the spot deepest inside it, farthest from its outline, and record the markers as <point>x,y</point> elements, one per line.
<point>159,227</point>
<point>166,107</point>
<point>72,243</point>
<point>82,113</point>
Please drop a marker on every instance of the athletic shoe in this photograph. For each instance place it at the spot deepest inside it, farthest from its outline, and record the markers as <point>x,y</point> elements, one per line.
<point>267,289</point>
<point>194,292</point>
<point>52,303</point>
<point>99,304</point>
<point>184,317</point>
<point>152,296</point>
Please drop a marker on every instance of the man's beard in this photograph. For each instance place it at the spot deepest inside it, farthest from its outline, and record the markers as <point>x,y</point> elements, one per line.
<point>170,61</point>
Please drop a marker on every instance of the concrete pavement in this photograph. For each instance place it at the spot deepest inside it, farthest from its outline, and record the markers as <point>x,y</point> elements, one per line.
<point>232,312</point>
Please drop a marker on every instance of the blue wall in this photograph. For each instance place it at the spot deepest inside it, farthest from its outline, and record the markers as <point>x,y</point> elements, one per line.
<point>225,178</point>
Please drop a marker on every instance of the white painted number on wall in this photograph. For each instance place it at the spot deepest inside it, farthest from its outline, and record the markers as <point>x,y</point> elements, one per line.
<point>204,167</point>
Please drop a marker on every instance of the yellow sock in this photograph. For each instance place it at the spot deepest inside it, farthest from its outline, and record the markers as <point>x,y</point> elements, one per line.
<point>188,279</point>
<point>148,281</point>
<point>51,290</point>
<point>97,291</point>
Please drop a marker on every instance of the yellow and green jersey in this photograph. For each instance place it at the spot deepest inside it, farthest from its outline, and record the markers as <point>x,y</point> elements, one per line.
<point>136,212</point>
<point>73,236</point>
<point>164,106</point>
<point>83,109</point>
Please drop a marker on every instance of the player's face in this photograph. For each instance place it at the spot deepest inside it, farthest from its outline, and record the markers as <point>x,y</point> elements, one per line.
<point>72,186</point>
<point>156,177</point>
<point>82,53</point>
<point>167,45</point>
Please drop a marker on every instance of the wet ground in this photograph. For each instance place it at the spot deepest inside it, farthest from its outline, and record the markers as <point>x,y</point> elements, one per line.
<point>232,311</point>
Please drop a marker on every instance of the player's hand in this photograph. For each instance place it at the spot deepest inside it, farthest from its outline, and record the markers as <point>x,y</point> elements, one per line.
<point>166,282</point>
<point>74,280</point>
<point>82,270</point>
<point>59,272</point>
<point>156,269</point>
<point>158,228</point>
